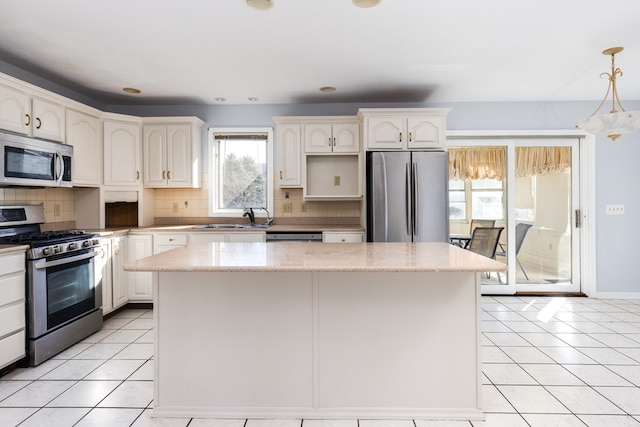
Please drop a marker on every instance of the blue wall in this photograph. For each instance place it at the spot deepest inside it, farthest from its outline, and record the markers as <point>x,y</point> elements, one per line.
<point>616,162</point>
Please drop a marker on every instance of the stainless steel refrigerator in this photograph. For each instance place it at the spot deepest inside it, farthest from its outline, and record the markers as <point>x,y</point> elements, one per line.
<point>407,196</point>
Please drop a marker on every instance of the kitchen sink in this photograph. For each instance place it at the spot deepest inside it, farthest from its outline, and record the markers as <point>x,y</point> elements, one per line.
<point>230,226</point>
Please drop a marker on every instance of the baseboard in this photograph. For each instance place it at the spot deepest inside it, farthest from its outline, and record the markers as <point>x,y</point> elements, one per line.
<point>616,295</point>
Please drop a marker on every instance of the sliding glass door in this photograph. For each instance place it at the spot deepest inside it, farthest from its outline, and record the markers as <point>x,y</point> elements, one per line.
<point>530,188</point>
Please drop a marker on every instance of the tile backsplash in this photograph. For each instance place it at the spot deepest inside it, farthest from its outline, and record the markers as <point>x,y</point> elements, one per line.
<point>288,203</point>
<point>58,202</point>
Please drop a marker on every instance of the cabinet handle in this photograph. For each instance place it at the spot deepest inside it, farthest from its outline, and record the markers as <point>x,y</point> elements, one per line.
<point>334,142</point>
<point>168,174</point>
<point>28,120</point>
<point>400,136</point>
<point>329,141</point>
<point>410,137</point>
<point>38,123</point>
<point>116,250</point>
<point>171,240</point>
<point>280,174</point>
<point>137,175</point>
<point>163,174</point>
<point>344,240</point>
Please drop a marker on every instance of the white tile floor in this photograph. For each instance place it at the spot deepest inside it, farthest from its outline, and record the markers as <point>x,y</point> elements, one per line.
<point>579,368</point>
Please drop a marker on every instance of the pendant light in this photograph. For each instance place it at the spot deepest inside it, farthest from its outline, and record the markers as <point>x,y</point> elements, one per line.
<point>615,123</point>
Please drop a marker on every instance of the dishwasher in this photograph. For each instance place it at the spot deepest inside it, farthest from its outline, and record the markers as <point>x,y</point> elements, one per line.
<point>294,236</point>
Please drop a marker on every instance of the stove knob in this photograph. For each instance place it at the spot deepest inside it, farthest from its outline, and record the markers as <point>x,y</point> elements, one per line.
<point>86,243</point>
<point>56,249</point>
<point>46,251</point>
<point>73,246</point>
<point>96,241</point>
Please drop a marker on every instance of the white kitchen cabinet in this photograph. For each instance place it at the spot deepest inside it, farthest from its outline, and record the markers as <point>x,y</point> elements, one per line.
<point>241,236</point>
<point>342,237</point>
<point>288,154</point>
<point>172,153</point>
<point>103,274</point>
<point>12,308</point>
<point>166,241</point>
<point>404,128</point>
<point>84,134</point>
<point>122,152</point>
<point>119,277</point>
<point>140,284</point>
<point>30,115</point>
<point>337,136</point>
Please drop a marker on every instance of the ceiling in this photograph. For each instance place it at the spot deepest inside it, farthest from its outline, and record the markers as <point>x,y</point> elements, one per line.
<point>194,51</point>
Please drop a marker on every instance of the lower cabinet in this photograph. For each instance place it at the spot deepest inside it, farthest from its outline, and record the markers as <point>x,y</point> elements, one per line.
<point>104,276</point>
<point>12,308</point>
<point>342,237</point>
<point>140,284</point>
<point>120,277</point>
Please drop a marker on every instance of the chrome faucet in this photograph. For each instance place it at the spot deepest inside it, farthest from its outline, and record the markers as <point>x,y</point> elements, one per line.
<point>249,212</point>
<point>269,219</point>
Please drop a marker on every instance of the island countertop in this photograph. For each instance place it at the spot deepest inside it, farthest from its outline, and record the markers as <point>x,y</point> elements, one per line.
<point>317,257</point>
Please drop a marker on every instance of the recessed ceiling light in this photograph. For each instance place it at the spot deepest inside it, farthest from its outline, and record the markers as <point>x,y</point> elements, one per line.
<point>220,99</point>
<point>252,98</point>
<point>259,4</point>
<point>327,89</point>
<point>366,3</point>
<point>131,90</point>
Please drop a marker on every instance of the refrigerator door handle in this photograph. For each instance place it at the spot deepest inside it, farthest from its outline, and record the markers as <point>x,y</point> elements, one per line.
<point>385,198</point>
<point>408,196</point>
<point>414,199</point>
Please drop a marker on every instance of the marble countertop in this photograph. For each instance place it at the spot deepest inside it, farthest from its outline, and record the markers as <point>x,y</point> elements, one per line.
<point>190,228</point>
<point>7,249</point>
<point>317,257</point>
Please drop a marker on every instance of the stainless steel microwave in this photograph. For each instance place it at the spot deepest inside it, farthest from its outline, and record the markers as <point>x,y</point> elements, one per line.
<point>34,162</point>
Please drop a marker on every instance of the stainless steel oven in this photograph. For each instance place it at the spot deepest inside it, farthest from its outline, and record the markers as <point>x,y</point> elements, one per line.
<point>63,298</point>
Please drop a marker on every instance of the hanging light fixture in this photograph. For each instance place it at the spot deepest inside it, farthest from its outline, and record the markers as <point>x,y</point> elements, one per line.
<point>616,122</point>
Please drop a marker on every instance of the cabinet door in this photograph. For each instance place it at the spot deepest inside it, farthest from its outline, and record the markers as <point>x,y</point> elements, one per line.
<point>342,237</point>
<point>202,237</point>
<point>386,132</point>
<point>179,159</point>
<point>289,156</point>
<point>121,153</point>
<point>15,111</point>
<point>48,120</point>
<point>120,278</point>
<point>346,138</point>
<point>103,275</point>
<point>154,153</point>
<point>246,237</point>
<point>426,132</point>
<point>83,133</point>
<point>140,283</point>
<point>318,138</point>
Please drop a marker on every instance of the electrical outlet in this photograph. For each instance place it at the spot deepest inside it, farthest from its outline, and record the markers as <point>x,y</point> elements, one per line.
<point>56,210</point>
<point>336,180</point>
<point>286,207</point>
<point>303,207</point>
<point>175,207</point>
<point>615,209</point>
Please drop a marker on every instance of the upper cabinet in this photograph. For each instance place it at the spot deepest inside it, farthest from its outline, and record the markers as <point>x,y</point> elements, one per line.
<point>404,128</point>
<point>30,115</point>
<point>172,152</point>
<point>84,134</point>
<point>337,135</point>
<point>289,153</point>
<point>122,152</point>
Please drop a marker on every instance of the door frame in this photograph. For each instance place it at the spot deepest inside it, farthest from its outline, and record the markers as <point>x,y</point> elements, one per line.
<point>587,205</point>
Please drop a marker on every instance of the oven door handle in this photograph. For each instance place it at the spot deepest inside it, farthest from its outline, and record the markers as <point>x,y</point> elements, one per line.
<point>40,266</point>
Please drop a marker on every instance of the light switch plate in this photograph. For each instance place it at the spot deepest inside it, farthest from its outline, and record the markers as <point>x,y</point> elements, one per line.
<point>615,209</point>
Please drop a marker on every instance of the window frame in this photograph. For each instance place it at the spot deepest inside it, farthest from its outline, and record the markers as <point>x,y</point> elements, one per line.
<point>212,157</point>
<point>468,202</point>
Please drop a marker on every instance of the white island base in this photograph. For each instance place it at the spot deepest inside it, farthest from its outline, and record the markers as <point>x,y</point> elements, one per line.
<point>318,344</point>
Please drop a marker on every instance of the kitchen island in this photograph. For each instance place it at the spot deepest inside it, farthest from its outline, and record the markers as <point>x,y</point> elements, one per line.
<point>310,330</point>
